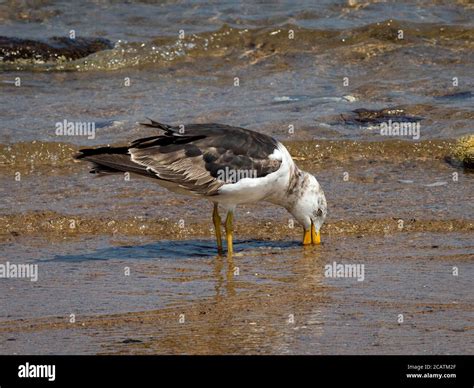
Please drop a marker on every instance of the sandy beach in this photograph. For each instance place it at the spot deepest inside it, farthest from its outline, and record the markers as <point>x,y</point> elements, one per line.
<point>372,98</point>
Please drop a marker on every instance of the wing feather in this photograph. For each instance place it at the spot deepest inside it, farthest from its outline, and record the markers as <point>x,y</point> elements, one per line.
<point>194,159</point>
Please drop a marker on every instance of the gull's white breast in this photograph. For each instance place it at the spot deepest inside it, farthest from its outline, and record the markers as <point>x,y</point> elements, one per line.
<point>248,190</point>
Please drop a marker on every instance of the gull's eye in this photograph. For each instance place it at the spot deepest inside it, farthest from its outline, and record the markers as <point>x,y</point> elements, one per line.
<point>319,213</point>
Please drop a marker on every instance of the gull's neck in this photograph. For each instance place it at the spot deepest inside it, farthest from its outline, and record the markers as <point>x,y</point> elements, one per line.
<point>291,184</point>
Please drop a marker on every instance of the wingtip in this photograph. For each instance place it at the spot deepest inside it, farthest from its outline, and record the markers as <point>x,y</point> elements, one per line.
<point>81,154</point>
<point>156,124</point>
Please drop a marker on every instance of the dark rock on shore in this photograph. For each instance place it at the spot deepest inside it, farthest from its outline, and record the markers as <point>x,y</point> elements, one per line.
<point>364,116</point>
<point>52,49</point>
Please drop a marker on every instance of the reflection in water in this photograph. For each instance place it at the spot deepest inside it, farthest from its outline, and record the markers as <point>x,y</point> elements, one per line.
<point>255,300</point>
<point>264,295</point>
<point>228,283</point>
<point>305,297</point>
<point>230,275</point>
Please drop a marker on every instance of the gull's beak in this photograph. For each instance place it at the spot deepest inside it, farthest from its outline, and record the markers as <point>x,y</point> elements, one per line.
<point>315,236</point>
<point>311,236</point>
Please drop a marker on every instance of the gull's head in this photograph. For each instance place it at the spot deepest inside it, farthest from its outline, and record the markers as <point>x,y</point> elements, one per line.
<point>308,206</point>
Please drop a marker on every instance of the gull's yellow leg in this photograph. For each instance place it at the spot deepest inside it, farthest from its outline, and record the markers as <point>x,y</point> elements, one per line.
<point>228,232</point>
<point>307,237</point>
<point>315,236</point>
<point>217,227</point>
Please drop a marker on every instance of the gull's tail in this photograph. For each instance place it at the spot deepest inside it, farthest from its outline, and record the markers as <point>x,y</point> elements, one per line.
<point>110,160</point>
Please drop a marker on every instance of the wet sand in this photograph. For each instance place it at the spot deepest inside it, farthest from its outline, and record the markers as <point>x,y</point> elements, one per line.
<point>332,71</point>
<point>279,302</point>
<point>272,296</point>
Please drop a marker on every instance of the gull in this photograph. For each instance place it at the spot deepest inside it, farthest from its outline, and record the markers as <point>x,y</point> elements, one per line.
<point>226,165</point>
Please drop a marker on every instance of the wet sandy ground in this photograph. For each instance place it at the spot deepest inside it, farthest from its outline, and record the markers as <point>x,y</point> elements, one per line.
<point>345,57</point>
<point>272,296</point>
<point>278,302</point>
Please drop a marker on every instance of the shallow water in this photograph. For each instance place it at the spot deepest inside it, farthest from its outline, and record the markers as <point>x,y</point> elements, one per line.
<point>281,81</point>
<point>84,232</point>
<point>174,270</point>
<point>278,302</point>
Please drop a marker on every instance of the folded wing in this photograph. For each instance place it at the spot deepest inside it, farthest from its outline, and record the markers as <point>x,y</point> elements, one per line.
<point>192,157</point>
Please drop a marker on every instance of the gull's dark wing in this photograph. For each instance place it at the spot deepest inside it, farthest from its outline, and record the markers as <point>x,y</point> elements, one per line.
<point>192,156</point>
